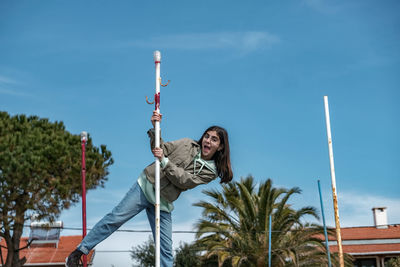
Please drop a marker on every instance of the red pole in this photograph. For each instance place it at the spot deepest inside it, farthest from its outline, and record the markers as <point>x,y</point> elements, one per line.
<point>83,143</point>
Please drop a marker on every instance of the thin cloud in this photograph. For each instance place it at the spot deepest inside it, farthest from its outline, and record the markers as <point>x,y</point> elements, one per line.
<point>322,6</point>
<point>6,80</point>
<point>242,41</point>
<point>358,207</point>
<point>355,209</point>
<point>9,86</point>
<point>12,92</point>
<point>103,196</point>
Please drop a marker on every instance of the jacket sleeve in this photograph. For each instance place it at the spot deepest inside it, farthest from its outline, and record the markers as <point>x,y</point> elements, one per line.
<point>184,179</point>
<point>167,147</point>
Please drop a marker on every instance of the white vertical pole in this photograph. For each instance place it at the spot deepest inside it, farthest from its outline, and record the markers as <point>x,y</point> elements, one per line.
<point>335,202</point>
<point>157,61</point>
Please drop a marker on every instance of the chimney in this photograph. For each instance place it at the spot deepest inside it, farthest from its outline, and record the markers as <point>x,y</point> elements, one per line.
<point>380,217</point>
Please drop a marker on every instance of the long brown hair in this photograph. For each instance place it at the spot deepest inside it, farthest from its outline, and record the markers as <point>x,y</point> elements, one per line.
<point>222,158</point>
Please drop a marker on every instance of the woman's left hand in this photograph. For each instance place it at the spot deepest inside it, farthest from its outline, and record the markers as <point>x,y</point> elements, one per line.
<point>158,152</point>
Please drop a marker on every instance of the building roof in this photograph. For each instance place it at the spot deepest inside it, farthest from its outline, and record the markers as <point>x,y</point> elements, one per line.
<point>370,232</point>
<point>49,254</point>
<point>368,240</point>
<point>368,249</point>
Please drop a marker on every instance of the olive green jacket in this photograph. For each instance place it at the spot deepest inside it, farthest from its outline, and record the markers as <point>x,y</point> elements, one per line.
<point>180,173</point>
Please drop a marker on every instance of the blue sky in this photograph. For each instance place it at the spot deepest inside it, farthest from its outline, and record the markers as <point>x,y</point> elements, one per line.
<point>258,68</point>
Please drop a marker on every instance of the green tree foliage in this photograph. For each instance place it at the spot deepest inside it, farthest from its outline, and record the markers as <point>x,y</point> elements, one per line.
<point>393,262</point>
<point>40,173</point>
<point>235,227</point>
<point>144,254</point>
<point>190,255</point>
<point>187,255</point>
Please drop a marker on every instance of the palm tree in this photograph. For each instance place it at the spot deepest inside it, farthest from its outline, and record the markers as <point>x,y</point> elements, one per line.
<point>235,227</point>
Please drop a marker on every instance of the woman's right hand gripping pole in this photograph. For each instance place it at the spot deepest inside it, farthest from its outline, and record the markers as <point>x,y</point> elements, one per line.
<point>155,117</point>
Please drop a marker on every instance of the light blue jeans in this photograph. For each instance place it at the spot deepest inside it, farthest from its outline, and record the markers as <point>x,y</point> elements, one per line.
<point>133,203</point>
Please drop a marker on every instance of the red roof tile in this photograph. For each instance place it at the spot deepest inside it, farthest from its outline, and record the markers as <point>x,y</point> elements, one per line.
<point>365,237</point>
<point>356,233</point>
<point>379,248</point>
<point>363,233</point>
<point>46,254</point>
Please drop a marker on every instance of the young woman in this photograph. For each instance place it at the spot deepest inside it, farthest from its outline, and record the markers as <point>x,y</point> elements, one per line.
<point>185,164</point>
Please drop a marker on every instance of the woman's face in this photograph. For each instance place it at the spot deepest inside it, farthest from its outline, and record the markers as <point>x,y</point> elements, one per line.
<point>210,144</point>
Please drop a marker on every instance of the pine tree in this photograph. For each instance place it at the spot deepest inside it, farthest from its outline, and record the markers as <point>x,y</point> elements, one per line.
<point>40,173</point>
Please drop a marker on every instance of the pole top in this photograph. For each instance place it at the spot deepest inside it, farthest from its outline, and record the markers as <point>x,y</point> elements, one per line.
<point>157,56</point>
<point>83,136</point>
